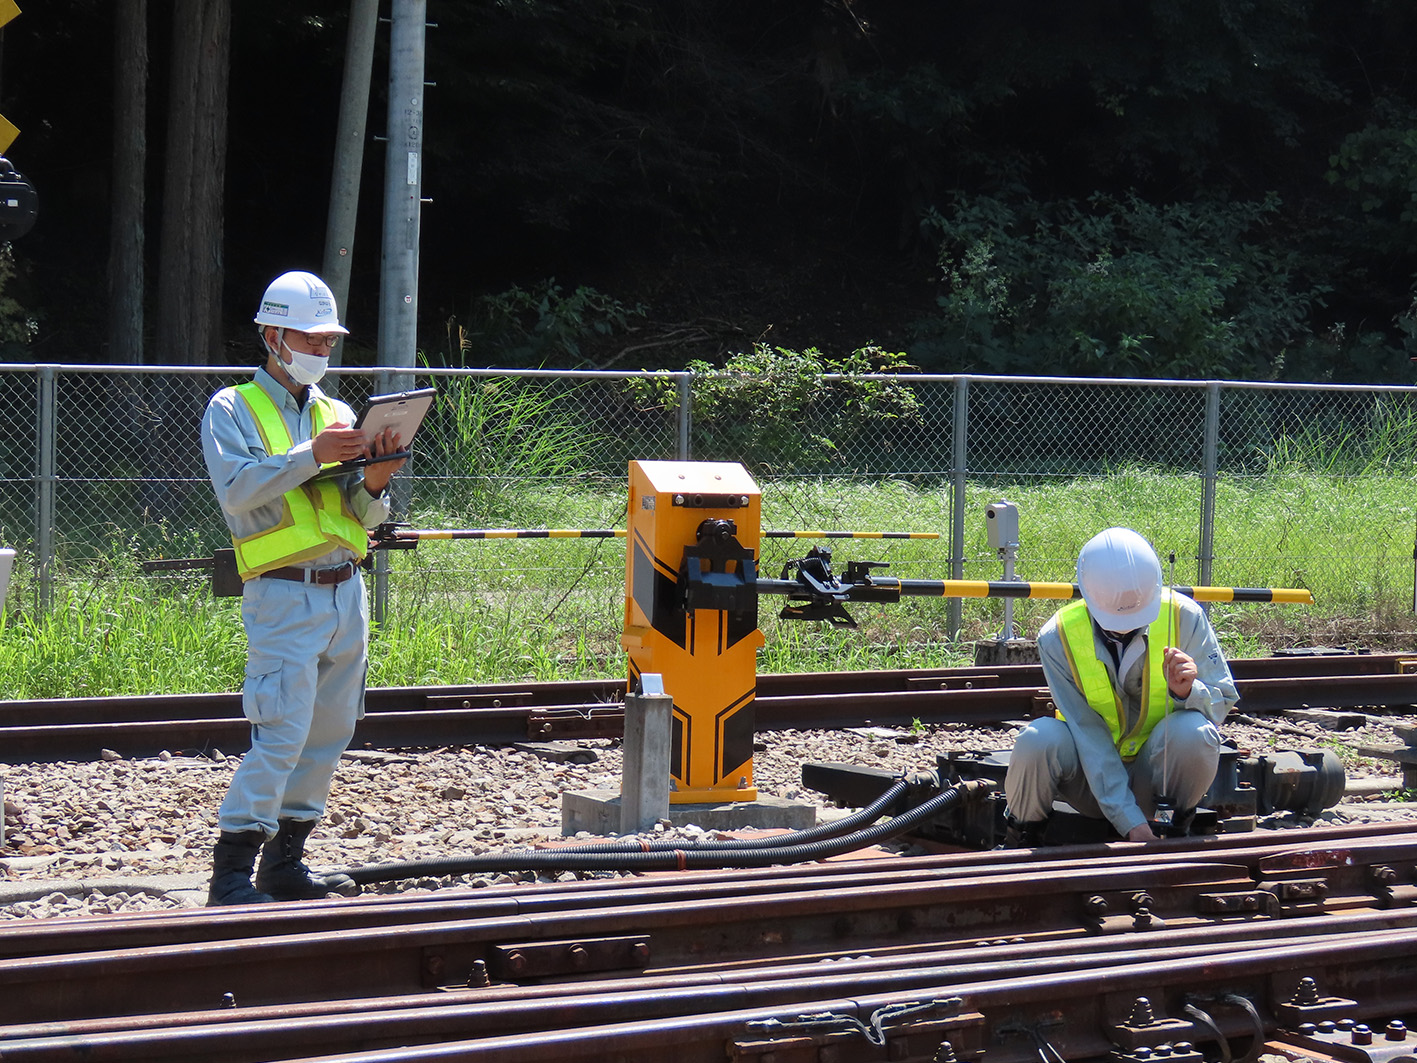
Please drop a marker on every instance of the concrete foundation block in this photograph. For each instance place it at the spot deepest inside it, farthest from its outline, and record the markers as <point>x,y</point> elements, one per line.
<point>598,811</point>
<point>1006,651</point>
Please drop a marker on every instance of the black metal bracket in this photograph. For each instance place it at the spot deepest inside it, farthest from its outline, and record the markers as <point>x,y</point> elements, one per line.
<point>719,572</point>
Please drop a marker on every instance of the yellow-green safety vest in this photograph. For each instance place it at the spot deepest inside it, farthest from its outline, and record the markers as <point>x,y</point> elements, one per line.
<point>315,518</point>
<point>1075,625</point>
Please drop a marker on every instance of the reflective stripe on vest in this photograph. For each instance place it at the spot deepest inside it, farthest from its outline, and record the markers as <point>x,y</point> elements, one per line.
<point>1090,674</point>
<point>314,516</point>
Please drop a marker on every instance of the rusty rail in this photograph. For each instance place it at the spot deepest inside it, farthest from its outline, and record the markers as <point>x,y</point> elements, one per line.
<point>727,965</point>
<point>492,714</point>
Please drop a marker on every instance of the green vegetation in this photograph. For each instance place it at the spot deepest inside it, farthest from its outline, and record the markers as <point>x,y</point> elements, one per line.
<point>488,611</point>
<point>798,410</point>
<point>1118,288</point>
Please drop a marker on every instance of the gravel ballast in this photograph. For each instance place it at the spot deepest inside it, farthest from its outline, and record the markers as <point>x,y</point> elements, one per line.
<point>116,834</point>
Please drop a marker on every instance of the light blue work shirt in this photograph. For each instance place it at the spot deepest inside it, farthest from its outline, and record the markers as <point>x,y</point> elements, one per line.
<point>250,483</point>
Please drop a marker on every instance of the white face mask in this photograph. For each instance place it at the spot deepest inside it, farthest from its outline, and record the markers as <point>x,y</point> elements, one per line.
<point>304,368</point>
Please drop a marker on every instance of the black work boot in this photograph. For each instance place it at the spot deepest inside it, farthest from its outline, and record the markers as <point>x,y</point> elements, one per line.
<point>1180,825</point>
<point>1021,835</point>
<point>283,873</point>
<point>232,860</point>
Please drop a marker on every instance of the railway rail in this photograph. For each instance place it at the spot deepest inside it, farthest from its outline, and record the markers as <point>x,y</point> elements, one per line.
<point>1190,949</point>
<point>500,713</point>
<point>1301,944</point>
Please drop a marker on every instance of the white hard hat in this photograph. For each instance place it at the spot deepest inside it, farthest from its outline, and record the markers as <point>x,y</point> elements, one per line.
<point>1120,579</point>
<point>300,301</point>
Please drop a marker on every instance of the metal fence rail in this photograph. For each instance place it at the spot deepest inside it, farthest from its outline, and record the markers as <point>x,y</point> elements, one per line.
<point>98,461</point>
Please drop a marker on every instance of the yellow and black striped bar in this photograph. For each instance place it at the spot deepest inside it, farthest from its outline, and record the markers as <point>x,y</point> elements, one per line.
<point>881,586</point>
<point>510,533</point>
<point>848,535</point>
<point>619,533</point>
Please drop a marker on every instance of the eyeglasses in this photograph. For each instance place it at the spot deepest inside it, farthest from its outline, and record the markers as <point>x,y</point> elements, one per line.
<point>318,339</point>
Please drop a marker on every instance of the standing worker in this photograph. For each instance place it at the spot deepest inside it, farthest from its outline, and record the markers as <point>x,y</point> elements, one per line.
<point>1140,687</point>
<point>299,541</point>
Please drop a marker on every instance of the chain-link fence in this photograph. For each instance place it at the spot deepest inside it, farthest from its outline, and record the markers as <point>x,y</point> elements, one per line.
<point>102,465</point>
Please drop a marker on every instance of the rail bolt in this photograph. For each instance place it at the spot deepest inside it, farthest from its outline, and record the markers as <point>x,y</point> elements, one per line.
<point>580,958</point>
<point>516,963</point>
<point>1141,1013</point>
<point>1306,993</point>
<point>1396,1031</point>
<point>1362,1034</point>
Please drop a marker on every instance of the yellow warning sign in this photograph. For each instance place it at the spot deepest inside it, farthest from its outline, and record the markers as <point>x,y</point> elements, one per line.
<point>8,131</point>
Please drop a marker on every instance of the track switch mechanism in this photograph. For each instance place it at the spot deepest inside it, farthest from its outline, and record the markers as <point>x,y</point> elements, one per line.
<point>821,594</point>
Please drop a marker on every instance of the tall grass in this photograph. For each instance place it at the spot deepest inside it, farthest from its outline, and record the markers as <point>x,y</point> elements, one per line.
<point>490,611</point>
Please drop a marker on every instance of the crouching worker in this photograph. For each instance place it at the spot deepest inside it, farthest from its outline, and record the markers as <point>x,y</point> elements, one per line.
<point>1139,684</point>
<point>299,540</point>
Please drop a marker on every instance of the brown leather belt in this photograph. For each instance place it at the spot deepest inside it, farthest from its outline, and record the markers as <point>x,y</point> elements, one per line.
<point>321,577</point>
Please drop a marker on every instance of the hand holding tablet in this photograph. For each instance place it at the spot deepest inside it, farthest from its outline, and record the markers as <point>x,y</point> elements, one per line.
<point>402,412</point>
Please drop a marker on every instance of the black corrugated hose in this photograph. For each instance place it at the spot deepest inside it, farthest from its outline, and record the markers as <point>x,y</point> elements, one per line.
<point>784,849</point>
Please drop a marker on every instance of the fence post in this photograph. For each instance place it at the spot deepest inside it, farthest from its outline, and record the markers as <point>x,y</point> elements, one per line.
<point>44,488</point>
<point>384,382</point>
<point>960,450</point>
<point>1210,463</point>
<point>686,394</point>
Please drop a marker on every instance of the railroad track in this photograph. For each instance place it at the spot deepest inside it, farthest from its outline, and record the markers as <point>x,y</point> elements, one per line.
<point>1187,950</point>
<point>497,714</point>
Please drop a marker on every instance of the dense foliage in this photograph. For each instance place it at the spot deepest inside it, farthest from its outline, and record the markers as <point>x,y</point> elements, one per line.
<point>1151,187</point>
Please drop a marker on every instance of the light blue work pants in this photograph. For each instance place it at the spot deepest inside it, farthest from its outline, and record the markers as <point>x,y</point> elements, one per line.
<point>1178,760</point>
<point>306,666</point>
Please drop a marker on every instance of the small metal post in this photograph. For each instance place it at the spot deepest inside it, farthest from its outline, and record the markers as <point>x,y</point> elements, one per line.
<point>644,785</point>
<point>1010,555</point>
<point>1001,526</point>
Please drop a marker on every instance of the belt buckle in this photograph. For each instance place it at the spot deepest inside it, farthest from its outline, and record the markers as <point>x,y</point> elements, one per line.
<point>326,577</point>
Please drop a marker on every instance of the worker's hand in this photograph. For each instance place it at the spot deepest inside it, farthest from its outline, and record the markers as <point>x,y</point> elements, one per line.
<point>1180,672</point>
<point>376,477</point>
<point>338,442</point>
<point>1142,832</point>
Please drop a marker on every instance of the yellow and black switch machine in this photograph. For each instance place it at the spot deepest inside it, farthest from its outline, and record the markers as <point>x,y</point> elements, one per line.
<point>691,616</point>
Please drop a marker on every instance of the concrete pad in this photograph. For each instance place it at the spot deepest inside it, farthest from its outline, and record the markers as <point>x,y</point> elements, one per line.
<point>598,811</point>
<point>994,652</point>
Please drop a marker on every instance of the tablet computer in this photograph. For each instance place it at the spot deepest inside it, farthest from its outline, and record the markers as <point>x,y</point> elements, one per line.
<point>403,411</point>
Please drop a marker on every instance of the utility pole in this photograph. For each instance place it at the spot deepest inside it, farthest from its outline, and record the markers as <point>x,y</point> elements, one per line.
<point>349,155</point>
<point>403,200</point>
<point>403,181</point>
